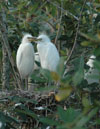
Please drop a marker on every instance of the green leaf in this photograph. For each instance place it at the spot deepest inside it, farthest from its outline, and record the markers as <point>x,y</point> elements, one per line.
<point>63,93</point>
<point>18,99</point>
<point>53,11</point>
<point>67,115</point>
<point>66,79</point>
<point>24,110</point>
<point>97,52</point>
<point>86,43</point>
<point>7,118</point>
<point>79,74</point>
<point>98,121</point>
<point>69,33</point>
<point>43,89</point>
<point>46,73</point>
<point>48,121</point>
<point>86,102</point>
<point>60,67</point>
<point>85,119</point>
<point>80,128</point>
<point>97,64</point>
<point>27,112</point>
<point>37,78</point>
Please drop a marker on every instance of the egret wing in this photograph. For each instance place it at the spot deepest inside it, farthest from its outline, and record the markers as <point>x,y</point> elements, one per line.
<point>19,56</point>
<point>52,57</point>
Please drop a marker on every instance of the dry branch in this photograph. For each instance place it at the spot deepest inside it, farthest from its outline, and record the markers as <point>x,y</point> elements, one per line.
<point>3,31</point>
<point>77,30</point>
<point>65,11</point>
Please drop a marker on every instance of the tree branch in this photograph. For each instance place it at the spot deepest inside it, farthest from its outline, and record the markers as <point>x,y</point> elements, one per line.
<point>3,31</point>
<point>77,30</point>
<point>59,26</point>
<point>65,11</point>
<point>89,38</point>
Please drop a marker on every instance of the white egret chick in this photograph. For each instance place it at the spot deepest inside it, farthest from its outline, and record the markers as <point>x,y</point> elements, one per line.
<point>48,53</point>
<point>25,57</point>
<point>92,75</point>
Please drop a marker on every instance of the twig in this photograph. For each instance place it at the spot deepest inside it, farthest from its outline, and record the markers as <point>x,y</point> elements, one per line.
<point>77,30</point>
<point>66,11</point>
<point>45,2</point>
<point>88,37</point>
<point>50,24</point>
<point>59,26</point>
<point>49,15</point>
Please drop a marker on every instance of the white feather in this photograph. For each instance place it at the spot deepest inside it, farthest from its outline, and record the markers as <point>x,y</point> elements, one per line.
<point>25,57</point>
<point>49,56</point>
<point>92,75</point>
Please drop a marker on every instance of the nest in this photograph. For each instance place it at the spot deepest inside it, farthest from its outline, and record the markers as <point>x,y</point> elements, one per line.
<point>43,105</point>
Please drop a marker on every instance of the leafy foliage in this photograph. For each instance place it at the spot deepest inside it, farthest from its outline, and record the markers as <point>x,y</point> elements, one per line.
<point>75,103</point>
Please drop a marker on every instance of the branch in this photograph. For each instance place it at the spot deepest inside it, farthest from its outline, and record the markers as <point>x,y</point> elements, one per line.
<point>59,26</point>
<point>65,11</point>
<point>3,31</point>
<point>77,30</point>
<point>89,38</point>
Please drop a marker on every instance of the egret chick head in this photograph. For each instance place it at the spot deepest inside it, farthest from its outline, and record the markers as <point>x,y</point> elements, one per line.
<point>91,61</point>
<point>43,38</point>
<point>27,38</point>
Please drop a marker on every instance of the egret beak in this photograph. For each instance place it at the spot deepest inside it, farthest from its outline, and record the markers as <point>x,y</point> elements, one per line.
<point>34,39</point>
<point>31,39</point>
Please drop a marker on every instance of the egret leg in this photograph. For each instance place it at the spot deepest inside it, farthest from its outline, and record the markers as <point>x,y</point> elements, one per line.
<point>30,87</point>
<point>26,83</point>
<point>22,83</point>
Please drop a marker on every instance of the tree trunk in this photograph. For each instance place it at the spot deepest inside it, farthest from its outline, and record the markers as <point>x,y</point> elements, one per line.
<point>5,43</point>
<point>5,69</point>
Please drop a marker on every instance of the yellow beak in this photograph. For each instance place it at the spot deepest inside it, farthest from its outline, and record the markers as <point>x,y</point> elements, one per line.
<point>34,39</point>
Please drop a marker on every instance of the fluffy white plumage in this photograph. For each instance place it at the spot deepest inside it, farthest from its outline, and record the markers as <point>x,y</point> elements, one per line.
<point>25,57</point>
<point>49,56</point>
<point>92,75</point>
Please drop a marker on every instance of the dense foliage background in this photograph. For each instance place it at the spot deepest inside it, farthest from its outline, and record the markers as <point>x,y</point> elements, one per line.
<point>74,27</point>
